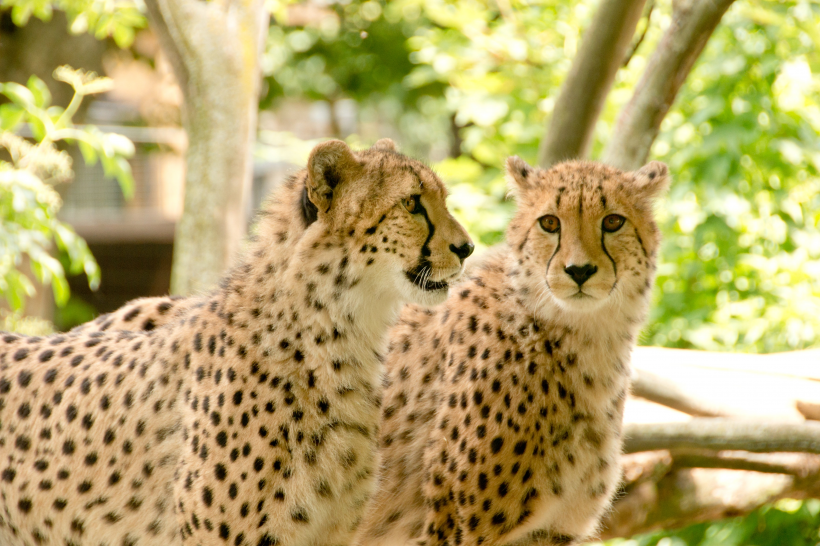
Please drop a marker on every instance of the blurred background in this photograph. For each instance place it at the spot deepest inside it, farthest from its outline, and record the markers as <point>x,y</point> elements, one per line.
<point>462,84</point>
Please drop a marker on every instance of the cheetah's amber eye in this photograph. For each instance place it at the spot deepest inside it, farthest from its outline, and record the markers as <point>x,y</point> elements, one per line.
<point>549,223</point>
<point>613,222</point>
<point>409,204</point>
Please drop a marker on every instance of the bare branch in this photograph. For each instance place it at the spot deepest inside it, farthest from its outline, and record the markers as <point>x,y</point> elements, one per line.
<point>778,386</point>
<point>582,96</point>
<point>795,464</point>
<point>645,466</point>
<point>809,410</point>
<point>724,434</point>
<point>693,22</point>
<point>690,495</point>
<point>634,48</point>
<point>801,364</point>
<point>705,469</point>
<point>664,391</point>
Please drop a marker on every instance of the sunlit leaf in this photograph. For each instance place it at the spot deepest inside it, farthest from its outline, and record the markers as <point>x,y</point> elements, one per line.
<point>40,93</point>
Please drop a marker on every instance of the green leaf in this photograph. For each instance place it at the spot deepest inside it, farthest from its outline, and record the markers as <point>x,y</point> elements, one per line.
<point>39,91</point>
<point>11,116</point>
<point>61,290</point>
<point>21,13</point>
<point>123,36</point>
<point>19,287</point>
<point>120,145</point>
<point>89,152</point>
<point>125,177</point>
<point>18,94</point>
<point>38,129</point>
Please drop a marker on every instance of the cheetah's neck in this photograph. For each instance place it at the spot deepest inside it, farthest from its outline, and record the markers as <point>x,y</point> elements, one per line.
<point>309,282</point>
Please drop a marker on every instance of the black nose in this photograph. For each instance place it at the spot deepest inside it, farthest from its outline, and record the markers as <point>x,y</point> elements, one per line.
<point>580,273</point>
<point>463,251</point>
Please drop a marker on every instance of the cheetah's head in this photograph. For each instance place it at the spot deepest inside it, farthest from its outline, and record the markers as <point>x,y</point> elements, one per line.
<point>584,232</point>
<point>391,211</point>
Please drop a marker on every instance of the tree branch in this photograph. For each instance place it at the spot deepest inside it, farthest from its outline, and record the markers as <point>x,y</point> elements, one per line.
<point>724,434</point>
<point>705,469</point>
<point>634,48</point>
<point>663,391</point>
<point>803,364</point>
<point>582,96</point>
<point>794,464</point>
<point>778,386</point>
<point>693,22</point>
<point>685,496</point>
<point>809,410</point>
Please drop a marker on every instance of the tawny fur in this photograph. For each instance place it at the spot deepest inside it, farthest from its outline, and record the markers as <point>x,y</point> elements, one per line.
<point>498,303</point>
<point>503,407</point>
<point>248,416</point>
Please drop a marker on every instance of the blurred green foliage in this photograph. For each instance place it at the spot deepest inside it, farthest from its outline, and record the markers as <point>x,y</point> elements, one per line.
<point>119,19</point>
<point>741,260</point>
<point>29,226</point>
<point>785,523</point>
<point>471,82</point>
<point>30,326</point>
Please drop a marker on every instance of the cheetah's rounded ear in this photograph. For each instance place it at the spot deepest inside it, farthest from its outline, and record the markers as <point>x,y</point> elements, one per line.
<point>652,179</point>
<point>519,174</point>
<point>385,144</point>
<point>330,164</point>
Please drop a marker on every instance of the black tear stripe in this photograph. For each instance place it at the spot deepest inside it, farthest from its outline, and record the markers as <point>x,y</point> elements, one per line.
<point>431,229</point>
<point>614,267</point>
<point>640,242</point>
<point>414,274</point>
<point>558,199</point>
<point>549,262</point>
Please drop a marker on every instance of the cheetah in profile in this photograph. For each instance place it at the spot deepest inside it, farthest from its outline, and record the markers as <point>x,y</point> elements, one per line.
<point>250,417</point>
<point>503,409</point>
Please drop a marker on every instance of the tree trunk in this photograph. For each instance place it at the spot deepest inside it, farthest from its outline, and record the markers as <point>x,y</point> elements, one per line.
<point>602,52</point>
<point>693,22</point>
<point>214,48</point>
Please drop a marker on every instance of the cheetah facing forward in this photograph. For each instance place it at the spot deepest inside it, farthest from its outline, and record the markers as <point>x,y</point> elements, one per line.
<point>250,418</point>
<point>502,416</point>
